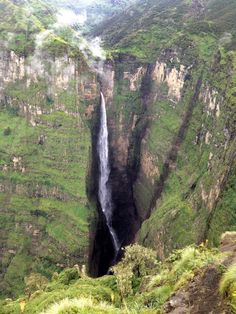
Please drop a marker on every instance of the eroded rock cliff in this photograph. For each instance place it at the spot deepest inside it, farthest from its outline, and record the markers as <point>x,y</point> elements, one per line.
<point>46,111</point>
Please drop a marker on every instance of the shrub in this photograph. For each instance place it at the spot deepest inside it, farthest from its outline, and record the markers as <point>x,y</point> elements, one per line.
<point>124,276</point>
<point>68,275</point>
<point>35,282</point>
<point>228,285</point>
<point>7,131</point>
<point>138,262</point>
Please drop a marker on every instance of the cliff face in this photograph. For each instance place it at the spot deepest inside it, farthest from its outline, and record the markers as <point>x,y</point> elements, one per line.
<point>194,162</point>
<point>172,143</point>
<point>172,125</point>
<point>46,111</point>
<point>170,97</point>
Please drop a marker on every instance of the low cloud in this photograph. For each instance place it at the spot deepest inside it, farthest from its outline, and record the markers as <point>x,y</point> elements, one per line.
<point>67,17</point>
<point>91,48</point>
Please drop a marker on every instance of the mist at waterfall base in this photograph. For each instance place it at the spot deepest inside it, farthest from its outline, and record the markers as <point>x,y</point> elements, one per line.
<point>104,189</point>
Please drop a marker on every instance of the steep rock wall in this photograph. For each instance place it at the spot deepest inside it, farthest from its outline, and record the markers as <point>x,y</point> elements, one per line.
<point>123,111</point>
<point>130,89</point>
<point>172,138</point>
<point>47,108</point>
<point>195,180</point>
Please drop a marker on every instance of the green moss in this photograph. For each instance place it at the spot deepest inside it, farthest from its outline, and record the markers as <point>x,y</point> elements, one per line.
<point>206,45</point>
<point>45,190</point>
<point>166,123</point>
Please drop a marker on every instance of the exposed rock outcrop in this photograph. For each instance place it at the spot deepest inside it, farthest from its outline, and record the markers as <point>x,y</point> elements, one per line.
<point>201,294</point>
<point>172,77</point>
<point>51,78</point>
<point>47,105</point>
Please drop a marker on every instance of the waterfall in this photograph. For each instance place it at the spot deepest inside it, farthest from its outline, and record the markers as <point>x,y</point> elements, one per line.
<point>104,190</point>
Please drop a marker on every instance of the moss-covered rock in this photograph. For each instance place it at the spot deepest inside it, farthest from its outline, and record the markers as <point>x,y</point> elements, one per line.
<point>47,99</point>
<point>178,142</point>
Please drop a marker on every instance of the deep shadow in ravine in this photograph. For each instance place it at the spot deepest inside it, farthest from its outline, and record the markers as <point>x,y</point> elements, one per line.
<point>125,220</point>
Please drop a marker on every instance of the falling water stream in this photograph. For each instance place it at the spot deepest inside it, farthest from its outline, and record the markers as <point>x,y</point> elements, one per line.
<point>104,189</point>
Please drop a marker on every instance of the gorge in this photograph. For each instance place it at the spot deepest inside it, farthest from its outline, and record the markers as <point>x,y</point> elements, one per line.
<point>117,131</point>
<point>114,199</point>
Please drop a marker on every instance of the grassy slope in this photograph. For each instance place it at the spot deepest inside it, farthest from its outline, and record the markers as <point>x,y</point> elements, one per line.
<point>144,290</point>
<point>48,200</point>
<point>44,209</point>
<point>149,26</point>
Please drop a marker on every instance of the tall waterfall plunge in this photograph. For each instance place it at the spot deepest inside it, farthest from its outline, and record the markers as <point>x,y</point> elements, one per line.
<point>104,190</point>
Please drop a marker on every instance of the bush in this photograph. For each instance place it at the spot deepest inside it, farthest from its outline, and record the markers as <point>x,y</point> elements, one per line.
<point>68,275</point>
<point>228,285</point>
<point>7,131</point>
<point>138,262</point>
<point>35,282</point>
<point>181,265</point>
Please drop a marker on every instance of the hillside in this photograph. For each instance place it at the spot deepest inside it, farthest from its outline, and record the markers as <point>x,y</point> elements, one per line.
<point>150,26</point>
<point>45,147</point>
<point>174,117</point>
<point>168,81</point>
<point>193,280</point>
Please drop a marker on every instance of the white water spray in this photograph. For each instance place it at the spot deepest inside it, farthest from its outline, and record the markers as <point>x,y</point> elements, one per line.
<point>104,190</point>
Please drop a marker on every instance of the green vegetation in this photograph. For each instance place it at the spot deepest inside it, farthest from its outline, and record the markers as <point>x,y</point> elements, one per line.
<point>137,263</point>
<point>31,25</point>
<point>166,26</point>
<point>82,305</point>
<point>228,286</point>
<point>149,282</point>
<point>45,190</point>
<point>21,22</point>
<point>182,209</point>
<point>45,144</point>
<point>45,152</point>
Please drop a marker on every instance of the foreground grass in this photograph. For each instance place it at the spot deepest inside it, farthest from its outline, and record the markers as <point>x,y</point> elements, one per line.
<point>140,284</point>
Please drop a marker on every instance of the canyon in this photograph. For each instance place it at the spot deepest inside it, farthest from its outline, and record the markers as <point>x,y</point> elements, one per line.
<point>170,105</point>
